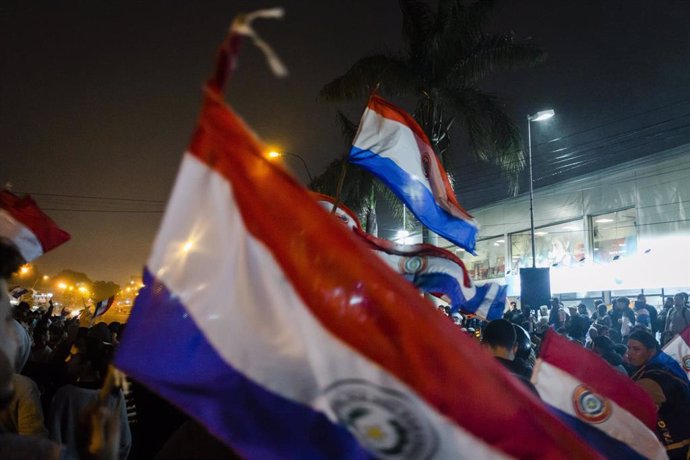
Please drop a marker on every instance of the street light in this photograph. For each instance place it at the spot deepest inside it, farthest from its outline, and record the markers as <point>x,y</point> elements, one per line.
<point>539,116</point>
<point>277,154</point>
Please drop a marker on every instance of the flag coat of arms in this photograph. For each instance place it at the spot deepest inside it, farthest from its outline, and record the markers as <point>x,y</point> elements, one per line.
<point>391,145</point>
<point>615,415</point>
<point>272,324</point>
<point>431,269</point>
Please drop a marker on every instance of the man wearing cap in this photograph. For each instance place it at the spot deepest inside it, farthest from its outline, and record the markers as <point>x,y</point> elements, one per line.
<point>668,385</point>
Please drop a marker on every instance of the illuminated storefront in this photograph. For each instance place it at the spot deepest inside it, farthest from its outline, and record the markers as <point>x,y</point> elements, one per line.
<point>614,232</point>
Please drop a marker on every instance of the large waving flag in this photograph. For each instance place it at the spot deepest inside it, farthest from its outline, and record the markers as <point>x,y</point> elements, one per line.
<point>679,349</point>
<point>271,323</point>
<point>605,407</point>
<point>431,269</point>
<point>442,274</point>
<point>29,228</point>
<point>392,146</point>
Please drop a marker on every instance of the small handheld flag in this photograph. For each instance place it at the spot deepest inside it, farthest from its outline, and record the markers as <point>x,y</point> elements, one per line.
<point>610,411</point>
<point>103,306</point>
<point>29,228</point>
<point>678,348</point>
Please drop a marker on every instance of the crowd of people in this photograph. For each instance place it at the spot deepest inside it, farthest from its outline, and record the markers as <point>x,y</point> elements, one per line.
<point>628,338</point>
<point>58,400</point>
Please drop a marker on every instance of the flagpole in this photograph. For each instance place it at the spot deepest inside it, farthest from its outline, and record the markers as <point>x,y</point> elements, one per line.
<point>341,181</point>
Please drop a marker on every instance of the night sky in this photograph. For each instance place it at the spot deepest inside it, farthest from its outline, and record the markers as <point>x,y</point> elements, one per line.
<point>99,99</point>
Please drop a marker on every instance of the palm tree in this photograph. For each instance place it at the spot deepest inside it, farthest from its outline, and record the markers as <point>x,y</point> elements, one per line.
<point>447,53</point>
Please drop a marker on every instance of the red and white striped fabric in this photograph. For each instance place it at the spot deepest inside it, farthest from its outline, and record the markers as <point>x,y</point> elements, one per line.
<point>29,228</point>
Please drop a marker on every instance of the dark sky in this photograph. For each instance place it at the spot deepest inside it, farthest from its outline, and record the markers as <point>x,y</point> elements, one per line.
<point>99,98</point>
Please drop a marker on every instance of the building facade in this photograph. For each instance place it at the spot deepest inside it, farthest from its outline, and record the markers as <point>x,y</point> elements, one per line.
<point>620,231</point>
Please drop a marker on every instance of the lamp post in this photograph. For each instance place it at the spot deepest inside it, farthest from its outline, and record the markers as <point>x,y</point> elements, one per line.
<point>539,116</point>
<point>277,154</point>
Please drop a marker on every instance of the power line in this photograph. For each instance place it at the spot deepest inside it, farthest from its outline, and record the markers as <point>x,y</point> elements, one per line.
<point>103,211</point>
<point>95,197</point>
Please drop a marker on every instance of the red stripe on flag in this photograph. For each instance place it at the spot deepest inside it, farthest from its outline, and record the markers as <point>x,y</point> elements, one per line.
<point>26,211</point>
<point>363,303</point>
<point>597,374</point>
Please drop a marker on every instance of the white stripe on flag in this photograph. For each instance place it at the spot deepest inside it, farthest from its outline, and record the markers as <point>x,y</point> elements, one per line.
<point>375,133</point>
<point>281,338</point>
<point>483,309</point>
<point>27,243</point>
<point>556,389</point>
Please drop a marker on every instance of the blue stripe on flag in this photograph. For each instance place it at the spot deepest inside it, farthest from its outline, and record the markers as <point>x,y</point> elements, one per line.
<point>418,198</point>
<point>448,285</point>
<point>163,339</point>
<point>599,440</point>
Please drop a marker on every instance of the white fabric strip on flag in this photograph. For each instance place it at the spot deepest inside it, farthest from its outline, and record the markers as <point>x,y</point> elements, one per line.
<point>29,246</point>
<point>377,131</point>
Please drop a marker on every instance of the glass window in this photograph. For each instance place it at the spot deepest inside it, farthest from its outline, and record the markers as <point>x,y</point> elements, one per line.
<point>614,235</point>
<point>490,259</point>
<point>560,245</point>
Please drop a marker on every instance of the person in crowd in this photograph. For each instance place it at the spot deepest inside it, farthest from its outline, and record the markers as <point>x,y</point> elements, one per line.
<point>592,333</point>
<point>642,317</point>
<point>667,383</point>
<point>41,352</point>
<point>512,312</point>
<point>601,314</point>
<point>678,317</point>
<point>524,318</point>
<point>12,445</point>
<point>604,347</point>
<point>88,366</point>
<point>577,328</point>
<point>622,319</point>
<point>582,310</point>
<point>500,338</point>
<point>641,304</point>
<point>557,316</point>
<point>23,414</point>
<point>663,314</point>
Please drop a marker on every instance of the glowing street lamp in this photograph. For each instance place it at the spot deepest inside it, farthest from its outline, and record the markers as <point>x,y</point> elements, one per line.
<point>539,116</point>
<point>24,269</point>
<point>273,154</point>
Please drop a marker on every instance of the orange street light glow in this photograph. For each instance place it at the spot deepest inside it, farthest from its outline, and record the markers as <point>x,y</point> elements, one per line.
<point>274,154</point>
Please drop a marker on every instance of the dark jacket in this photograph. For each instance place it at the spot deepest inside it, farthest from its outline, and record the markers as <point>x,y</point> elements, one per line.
<point>673,416</point>
<point>519,371</point>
